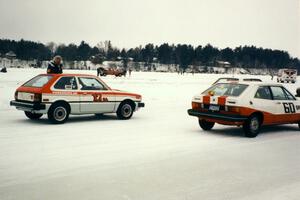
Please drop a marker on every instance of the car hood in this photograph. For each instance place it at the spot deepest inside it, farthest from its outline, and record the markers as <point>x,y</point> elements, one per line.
<point>125,93</point>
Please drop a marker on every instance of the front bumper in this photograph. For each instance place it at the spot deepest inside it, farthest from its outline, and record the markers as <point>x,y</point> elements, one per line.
<point>217,116</point>
<point>28,106</point>
<point>141,105</point>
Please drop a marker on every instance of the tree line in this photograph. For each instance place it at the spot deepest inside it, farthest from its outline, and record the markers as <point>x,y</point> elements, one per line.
<point>182,54</point>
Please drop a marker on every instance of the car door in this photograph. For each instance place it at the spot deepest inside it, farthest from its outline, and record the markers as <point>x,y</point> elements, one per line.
<point>285,104</point>
<point>94,96</point>
<point>263,101</point>
<point>66,88</point>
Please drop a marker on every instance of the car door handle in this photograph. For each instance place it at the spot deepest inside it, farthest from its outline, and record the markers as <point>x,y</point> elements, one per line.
<point>278,102</point>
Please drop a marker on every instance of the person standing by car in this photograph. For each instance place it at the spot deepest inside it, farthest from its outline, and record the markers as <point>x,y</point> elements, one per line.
<point>55,66</point>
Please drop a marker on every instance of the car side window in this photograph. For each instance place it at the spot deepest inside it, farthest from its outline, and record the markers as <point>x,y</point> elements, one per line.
<point>289,95</point>
<point>87,83</point>
<point>263,92</point>
<point>278,93</point>
<point>66,83</point>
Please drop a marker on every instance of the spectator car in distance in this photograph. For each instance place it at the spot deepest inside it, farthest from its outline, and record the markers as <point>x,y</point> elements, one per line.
<point>287,75</point>
<point>247,104</point>
<point>118,72</point>
<point>59,95</point>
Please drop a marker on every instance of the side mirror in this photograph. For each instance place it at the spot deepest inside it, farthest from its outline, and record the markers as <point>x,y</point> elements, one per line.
<point>298,92</point>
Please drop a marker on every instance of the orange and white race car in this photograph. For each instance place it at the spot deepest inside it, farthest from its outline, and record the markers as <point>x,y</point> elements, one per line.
<point>59,95</point>
<point>247,104</point>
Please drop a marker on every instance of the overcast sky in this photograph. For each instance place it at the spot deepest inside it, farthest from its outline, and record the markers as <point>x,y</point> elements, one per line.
<point>128,23</point>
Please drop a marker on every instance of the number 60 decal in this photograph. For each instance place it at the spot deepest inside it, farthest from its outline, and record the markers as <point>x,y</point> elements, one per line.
<point>289,108</point>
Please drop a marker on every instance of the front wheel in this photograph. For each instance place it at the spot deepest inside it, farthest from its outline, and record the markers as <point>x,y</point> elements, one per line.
<point>33,116</point>
<point>252,126</point>
<point>125,111</point>
<point>58,113</point>
<point>205,125</point>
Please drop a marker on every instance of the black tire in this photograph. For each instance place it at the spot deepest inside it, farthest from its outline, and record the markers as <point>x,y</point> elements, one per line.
<point>33,116</point>
<point>125,110</point>
<point>299,125</point>
<point>58,113</point>
<point>205,125</point>
<point>252,126</point>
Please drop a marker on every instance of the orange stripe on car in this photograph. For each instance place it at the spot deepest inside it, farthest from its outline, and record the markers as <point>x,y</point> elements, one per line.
<point>206,99</point>
<point>222,100</point>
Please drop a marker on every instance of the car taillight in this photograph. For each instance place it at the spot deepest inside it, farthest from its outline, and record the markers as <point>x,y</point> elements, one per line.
<point>16,95</point>
<point>37,97</point>
<point>196,105</point>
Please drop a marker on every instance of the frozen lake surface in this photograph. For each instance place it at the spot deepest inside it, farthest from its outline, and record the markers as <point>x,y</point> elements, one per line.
<point>160,154</point>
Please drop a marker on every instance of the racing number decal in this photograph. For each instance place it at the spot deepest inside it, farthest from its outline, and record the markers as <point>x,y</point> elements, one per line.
<point>99,98</point>
<point>289,108</point>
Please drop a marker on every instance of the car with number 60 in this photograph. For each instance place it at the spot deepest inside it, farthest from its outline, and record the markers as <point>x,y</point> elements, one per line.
<point>59,95</point>
<point>246,104</point>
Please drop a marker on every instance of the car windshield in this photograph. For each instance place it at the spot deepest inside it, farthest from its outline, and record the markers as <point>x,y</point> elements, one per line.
<point>38,81</point>
<point>226,89</point>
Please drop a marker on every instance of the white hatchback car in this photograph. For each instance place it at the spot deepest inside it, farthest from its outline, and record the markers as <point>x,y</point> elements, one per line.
<point>247,104</point>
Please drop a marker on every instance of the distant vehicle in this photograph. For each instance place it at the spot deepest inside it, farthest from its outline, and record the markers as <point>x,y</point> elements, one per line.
<point>247,104</point>
<point>229,79</point>
<point>287,75</point>
<point>59,95</point>
<point>111,71</point>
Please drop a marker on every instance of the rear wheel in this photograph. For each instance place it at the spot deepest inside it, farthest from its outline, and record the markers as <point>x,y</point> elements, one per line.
<point>252,126</point>
<point>33,116</point>
<point>125,110</point>
<point>58,113</point>
<point>205,125</point>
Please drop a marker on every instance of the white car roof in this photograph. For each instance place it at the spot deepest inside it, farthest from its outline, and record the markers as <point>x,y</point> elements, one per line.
<point>252,83</point>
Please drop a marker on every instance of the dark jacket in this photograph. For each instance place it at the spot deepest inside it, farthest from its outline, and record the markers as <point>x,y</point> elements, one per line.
<point>54,68</point>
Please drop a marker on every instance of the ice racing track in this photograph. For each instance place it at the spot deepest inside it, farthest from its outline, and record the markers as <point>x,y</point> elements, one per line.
<point>160,154</point>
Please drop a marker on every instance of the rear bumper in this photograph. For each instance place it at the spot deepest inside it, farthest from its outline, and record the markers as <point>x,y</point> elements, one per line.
<point>28,106</point>
<point>217,116</point>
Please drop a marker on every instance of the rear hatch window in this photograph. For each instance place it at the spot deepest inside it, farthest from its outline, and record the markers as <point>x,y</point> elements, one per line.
<point>38,81</point>
<point>226,89</point>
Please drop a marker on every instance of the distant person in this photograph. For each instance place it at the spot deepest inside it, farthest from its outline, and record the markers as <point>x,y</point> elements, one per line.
<point>3,70</point>
<point>272,76</point>
<point>98,71</point>
<point>55,66</point>
<point>130,70</point>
